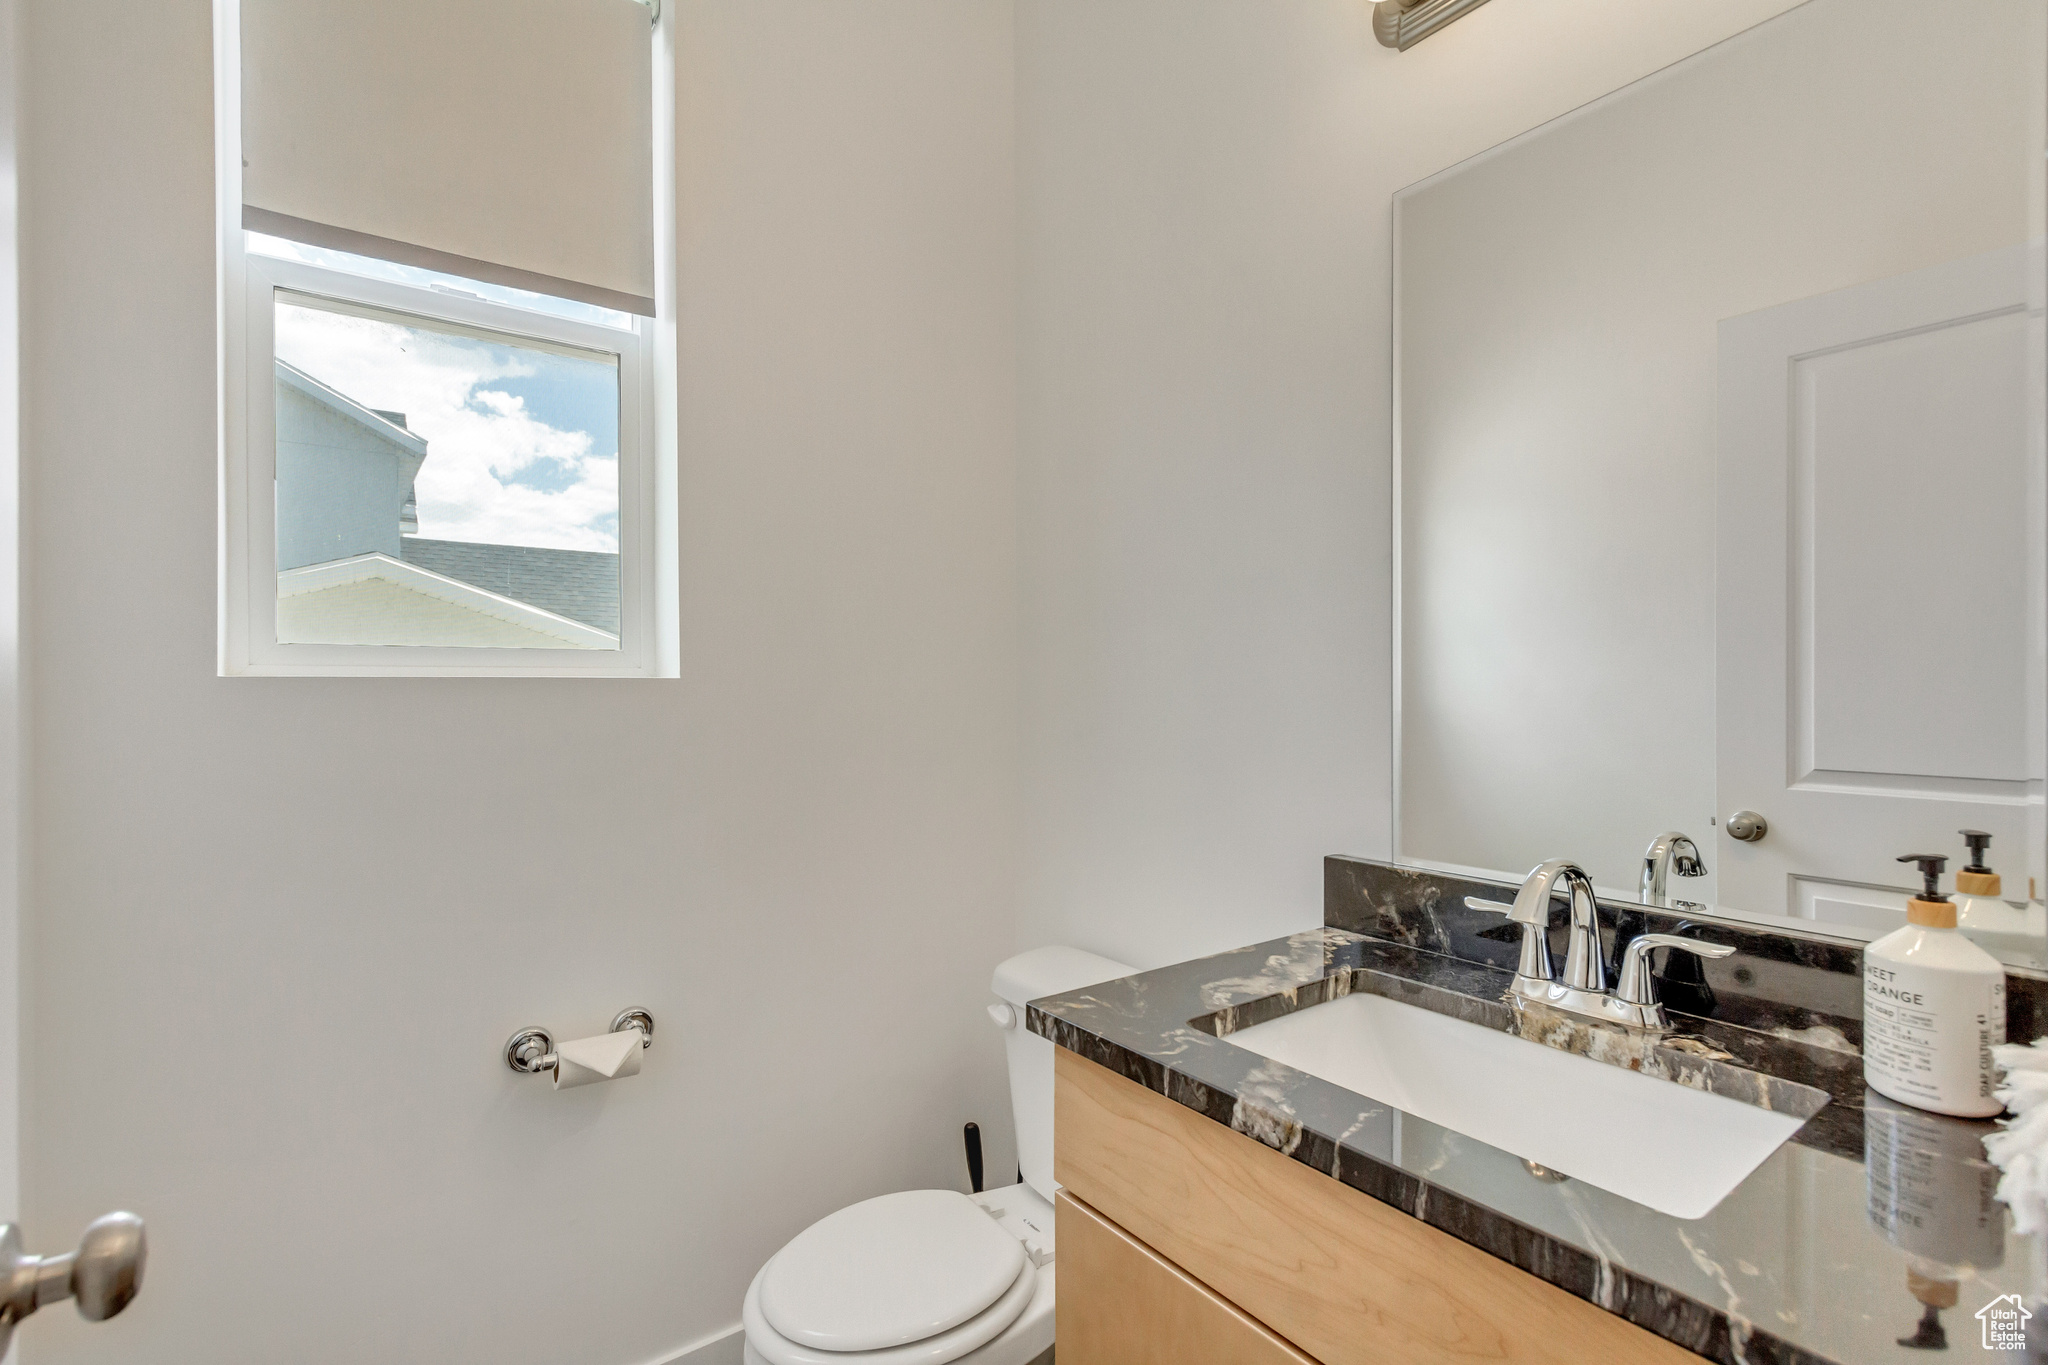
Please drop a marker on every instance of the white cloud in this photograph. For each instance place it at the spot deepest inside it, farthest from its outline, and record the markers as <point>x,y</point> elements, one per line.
<point>479,438</point>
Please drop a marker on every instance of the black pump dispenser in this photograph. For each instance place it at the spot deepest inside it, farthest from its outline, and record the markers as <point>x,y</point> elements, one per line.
<point>1980,844</point>
<point>1932,865</point>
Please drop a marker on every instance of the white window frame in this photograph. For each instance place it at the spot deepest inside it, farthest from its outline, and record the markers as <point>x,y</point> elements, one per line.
<point>650,613</point>
<point>249,617</point>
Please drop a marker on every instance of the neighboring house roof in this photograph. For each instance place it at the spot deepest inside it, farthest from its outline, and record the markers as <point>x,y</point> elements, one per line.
<point>375,599</point>
<point>376,421</point>
<point>582,585</point>
<point>341,515</point>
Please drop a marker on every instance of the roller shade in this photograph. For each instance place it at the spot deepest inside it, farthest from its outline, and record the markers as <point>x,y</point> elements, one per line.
<point>505,140</point>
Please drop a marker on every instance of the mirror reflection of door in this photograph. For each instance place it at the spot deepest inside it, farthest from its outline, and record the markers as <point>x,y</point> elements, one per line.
<point>1879,488</point>
<point>1720,472</point>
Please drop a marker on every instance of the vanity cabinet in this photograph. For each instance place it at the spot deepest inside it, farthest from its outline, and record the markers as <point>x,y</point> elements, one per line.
<point>1153,1313</point>
<point>1183,1241</point>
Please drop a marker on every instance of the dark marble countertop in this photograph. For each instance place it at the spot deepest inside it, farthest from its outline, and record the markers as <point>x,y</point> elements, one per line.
<point>1827,1252</point>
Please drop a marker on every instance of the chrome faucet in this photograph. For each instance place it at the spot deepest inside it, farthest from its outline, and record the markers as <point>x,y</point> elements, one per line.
<point>1669,852</point>
<point>1633,1002</point>
<point>1585,963</point>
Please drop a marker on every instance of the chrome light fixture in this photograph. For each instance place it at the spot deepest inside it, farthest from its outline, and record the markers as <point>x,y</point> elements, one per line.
<point>1404,23</point>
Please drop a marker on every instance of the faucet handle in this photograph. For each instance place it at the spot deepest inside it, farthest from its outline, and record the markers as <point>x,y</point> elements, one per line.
<point>1535,973</point>
<point>1635,999</point>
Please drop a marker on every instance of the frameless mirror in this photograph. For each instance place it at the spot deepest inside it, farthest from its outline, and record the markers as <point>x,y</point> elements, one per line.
<point>1722,487</point>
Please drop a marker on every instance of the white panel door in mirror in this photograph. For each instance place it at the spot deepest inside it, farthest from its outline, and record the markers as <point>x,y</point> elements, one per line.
<point>1909,478</point>
<point>1879,541</point>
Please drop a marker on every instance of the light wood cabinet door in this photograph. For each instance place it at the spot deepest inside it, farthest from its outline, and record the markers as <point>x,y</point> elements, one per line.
<point>1346,1278</point>
<point>1120,1304</point>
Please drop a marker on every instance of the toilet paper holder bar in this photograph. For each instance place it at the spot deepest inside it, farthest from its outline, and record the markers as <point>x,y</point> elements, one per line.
<point>531,1051</point>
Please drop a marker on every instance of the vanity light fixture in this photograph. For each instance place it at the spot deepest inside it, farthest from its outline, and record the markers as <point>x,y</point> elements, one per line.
<point>1404,23</point>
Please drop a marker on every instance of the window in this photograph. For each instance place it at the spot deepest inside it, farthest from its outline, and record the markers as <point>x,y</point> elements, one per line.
<point>453,476</point>
<point>441,450</point>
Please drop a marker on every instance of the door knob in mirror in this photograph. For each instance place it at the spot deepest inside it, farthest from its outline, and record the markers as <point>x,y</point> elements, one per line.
<point>1747,826</point>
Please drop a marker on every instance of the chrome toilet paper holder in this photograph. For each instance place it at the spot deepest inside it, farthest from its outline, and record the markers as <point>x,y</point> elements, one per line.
<point>531,1051</point>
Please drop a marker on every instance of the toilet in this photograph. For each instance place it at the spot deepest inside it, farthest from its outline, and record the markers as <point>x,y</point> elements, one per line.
<point>928,1277</point>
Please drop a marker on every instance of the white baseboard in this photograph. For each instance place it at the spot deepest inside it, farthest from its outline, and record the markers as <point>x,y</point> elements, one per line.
<point>722,1349</point>
<point>726,1350</point>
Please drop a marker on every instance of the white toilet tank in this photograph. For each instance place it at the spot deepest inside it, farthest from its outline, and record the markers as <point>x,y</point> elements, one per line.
<point>1024,978</point>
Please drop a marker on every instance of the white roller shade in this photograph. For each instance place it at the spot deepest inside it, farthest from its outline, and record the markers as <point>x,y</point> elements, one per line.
<point>505,140</point>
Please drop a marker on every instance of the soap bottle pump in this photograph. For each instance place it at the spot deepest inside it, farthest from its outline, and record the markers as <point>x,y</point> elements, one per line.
<point>1986,918</point>
<point>1933,1008</point>
<point>1977,878</point>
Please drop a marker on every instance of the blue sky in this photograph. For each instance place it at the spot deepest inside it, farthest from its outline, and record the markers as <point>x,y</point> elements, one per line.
<point>566,394</point>
<point>522,443</point>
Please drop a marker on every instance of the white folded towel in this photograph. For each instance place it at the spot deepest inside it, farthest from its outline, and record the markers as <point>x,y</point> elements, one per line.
<point>2020,1148</point>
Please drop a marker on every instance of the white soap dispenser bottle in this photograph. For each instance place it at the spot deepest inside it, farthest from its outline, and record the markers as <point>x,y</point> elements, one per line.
<point>1933,1008</point>
<point>1986,918</point>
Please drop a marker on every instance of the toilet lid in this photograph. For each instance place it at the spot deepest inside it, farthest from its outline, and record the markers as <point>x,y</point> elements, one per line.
<point>766,1346</point>
<point>888,1272</point>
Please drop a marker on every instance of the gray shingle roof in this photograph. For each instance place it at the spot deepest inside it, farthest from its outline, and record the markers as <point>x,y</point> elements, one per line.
<point>582,585</point>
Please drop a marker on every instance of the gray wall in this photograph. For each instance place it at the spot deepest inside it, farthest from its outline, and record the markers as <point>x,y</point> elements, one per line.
<point>1206,407</point>
<point>803,855</point>
<point>12,546</point>
<point>285,925</point>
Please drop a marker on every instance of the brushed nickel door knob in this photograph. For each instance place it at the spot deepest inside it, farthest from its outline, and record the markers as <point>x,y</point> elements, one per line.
<point>107,1275</point>
<point>1747,826</point>
<point>103,1276</point>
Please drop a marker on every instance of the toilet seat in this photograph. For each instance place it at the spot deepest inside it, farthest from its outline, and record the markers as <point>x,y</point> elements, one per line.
<point>774,1348</point>
<point>1017,1329</point>
<point>889,1272</point>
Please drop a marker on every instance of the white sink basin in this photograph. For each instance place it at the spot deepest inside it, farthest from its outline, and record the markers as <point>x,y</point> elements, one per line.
<point>1678,1150</point>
